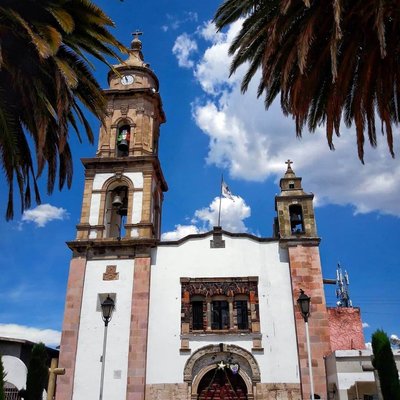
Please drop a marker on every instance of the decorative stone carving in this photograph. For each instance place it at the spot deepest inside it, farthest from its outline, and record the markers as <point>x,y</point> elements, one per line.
<point>111,273</point>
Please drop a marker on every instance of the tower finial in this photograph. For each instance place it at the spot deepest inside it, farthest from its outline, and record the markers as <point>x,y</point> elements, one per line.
<point>136,44</point>
<point>289,162</point>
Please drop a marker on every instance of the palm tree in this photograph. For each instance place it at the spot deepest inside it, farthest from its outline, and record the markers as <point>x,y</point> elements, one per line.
<point>330,60</point>
<point>46,81</point>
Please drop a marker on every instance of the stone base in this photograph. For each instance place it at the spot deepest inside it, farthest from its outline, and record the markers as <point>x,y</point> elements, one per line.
<point>264,391</point>
<point>167,391</point>
<point>278,391</point>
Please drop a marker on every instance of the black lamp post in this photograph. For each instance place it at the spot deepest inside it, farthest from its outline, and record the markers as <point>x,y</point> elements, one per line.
<point>304,306</point>
<point>107,308</point>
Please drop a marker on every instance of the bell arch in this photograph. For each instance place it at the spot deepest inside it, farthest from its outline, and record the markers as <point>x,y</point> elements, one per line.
<point>206,358</point>
<point>123,136</point>
<point>117,200</point>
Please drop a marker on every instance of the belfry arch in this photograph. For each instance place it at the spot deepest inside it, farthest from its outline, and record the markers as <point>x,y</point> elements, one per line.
<point>205,359</point>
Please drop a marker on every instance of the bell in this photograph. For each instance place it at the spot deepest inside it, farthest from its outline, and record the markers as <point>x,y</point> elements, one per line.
<point>123,145</point>
<point>117,201</point>
<point>295,218</point>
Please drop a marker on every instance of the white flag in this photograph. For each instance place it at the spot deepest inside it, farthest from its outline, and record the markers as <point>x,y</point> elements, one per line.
<point>226,192</point>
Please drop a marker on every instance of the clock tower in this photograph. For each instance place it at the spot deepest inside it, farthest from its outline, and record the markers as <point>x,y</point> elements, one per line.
<point>119,225</point>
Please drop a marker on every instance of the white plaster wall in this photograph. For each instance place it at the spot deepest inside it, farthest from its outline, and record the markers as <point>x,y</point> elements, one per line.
<point>91,331</point>
<point>137,207</point>
<point>16,371</point>
<point>241,257</point>
<point>100,179</point>
<point>94,209</point>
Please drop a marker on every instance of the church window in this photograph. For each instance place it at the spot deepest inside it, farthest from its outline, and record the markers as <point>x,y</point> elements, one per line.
<point>123,140</point>
<point>296,218</point>
<point>242,315</point>
<point>220,315</point>
<point>215,305</point>
<point>197,313</point>
<point>291,185</point>
<point>116,211</point>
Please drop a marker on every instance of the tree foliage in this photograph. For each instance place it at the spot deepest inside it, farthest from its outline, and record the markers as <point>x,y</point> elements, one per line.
<point>2,379</point>
<point>46,82</point>
<point>383,362</point>
<point>330,61</point>
<point>36,380</point>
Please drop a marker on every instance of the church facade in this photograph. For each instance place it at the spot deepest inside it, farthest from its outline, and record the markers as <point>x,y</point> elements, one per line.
<point>210,316</point>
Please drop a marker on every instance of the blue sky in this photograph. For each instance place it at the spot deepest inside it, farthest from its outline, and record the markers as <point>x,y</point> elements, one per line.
<point>212,129</point>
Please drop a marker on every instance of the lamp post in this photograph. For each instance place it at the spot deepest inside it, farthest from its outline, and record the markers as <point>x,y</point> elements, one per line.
<point>107,308</point>
<point>304,306</point>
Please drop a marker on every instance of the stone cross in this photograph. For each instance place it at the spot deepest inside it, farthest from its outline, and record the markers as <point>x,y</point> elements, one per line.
<point>53,372</point>
<point>289,162</point>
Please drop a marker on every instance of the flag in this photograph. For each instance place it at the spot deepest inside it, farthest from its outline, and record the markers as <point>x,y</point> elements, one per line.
<point>226,192</point>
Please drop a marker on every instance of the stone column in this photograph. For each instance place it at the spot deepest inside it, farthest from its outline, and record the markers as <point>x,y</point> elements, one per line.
<point>305,271</point>
<point>69,337</point>
<point>139,329</point>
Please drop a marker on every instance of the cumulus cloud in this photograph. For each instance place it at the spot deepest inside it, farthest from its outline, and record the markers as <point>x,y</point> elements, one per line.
<point>365,325</point>
<point>174,21</point>
<point>395,340</point>
<point>49,337</point>
<point>180,232</point>
<point>43,214</point>
<point>233,214</point>
<point>252,143</point>
<point>183,49</point>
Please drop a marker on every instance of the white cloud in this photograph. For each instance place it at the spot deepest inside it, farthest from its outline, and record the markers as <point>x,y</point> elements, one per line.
<point>183,48</point>
<point>49,337</point>
<point>208,31</point>
<point>43,214</point>
<point>174,22</point>
<point>394,340</point>
<point>365,325</point>
<point>233,214</point>
<point>252,143</point>
<point>180,232</point>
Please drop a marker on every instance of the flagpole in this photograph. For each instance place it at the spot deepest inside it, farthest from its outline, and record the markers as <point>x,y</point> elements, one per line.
<point>220,199</point>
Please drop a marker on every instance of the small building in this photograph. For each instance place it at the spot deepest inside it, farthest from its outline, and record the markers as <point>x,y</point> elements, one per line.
<point>16,355</point>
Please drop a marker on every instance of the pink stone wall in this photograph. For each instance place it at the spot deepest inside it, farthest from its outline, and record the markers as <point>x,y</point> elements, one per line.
<point>69,337</point>
<point>139,329</point>
<point>345,328</point>
<point>305,271</point>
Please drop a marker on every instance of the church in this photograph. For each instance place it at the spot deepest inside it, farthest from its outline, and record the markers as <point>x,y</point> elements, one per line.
<point>209,316</point>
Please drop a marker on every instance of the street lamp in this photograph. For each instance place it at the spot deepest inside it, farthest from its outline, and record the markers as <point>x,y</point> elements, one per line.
<point>107,308</point>
<point>304,306</point>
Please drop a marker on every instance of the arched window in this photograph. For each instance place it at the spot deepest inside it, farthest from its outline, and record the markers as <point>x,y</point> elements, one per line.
<point>296,218</point>
<point>116,211</point>
<point>123,140</point>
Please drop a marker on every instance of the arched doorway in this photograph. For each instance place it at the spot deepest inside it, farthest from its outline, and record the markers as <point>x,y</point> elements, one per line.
<point>222,384</point>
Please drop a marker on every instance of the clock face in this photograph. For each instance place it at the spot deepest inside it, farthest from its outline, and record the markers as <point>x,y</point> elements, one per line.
<point>127,79</point>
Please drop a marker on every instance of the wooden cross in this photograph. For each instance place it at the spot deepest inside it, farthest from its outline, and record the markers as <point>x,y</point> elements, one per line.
<point>53,372</point>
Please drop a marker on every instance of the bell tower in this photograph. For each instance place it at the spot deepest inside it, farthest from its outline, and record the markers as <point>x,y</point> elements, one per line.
<point>295,208</point>
<point>124,183</point>
<point>119,225</point>
<point>296,230</point>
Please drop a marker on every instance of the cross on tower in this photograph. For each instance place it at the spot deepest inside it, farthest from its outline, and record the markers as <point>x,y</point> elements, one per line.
<point>136,34</point>
<point>289,162</point>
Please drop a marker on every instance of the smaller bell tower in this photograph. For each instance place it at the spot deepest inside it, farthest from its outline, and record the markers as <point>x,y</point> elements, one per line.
<point>295,209</point>
<point>296,230</point>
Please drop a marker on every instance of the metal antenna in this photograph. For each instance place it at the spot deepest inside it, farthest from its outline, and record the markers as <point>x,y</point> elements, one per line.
<point>342,290</point>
